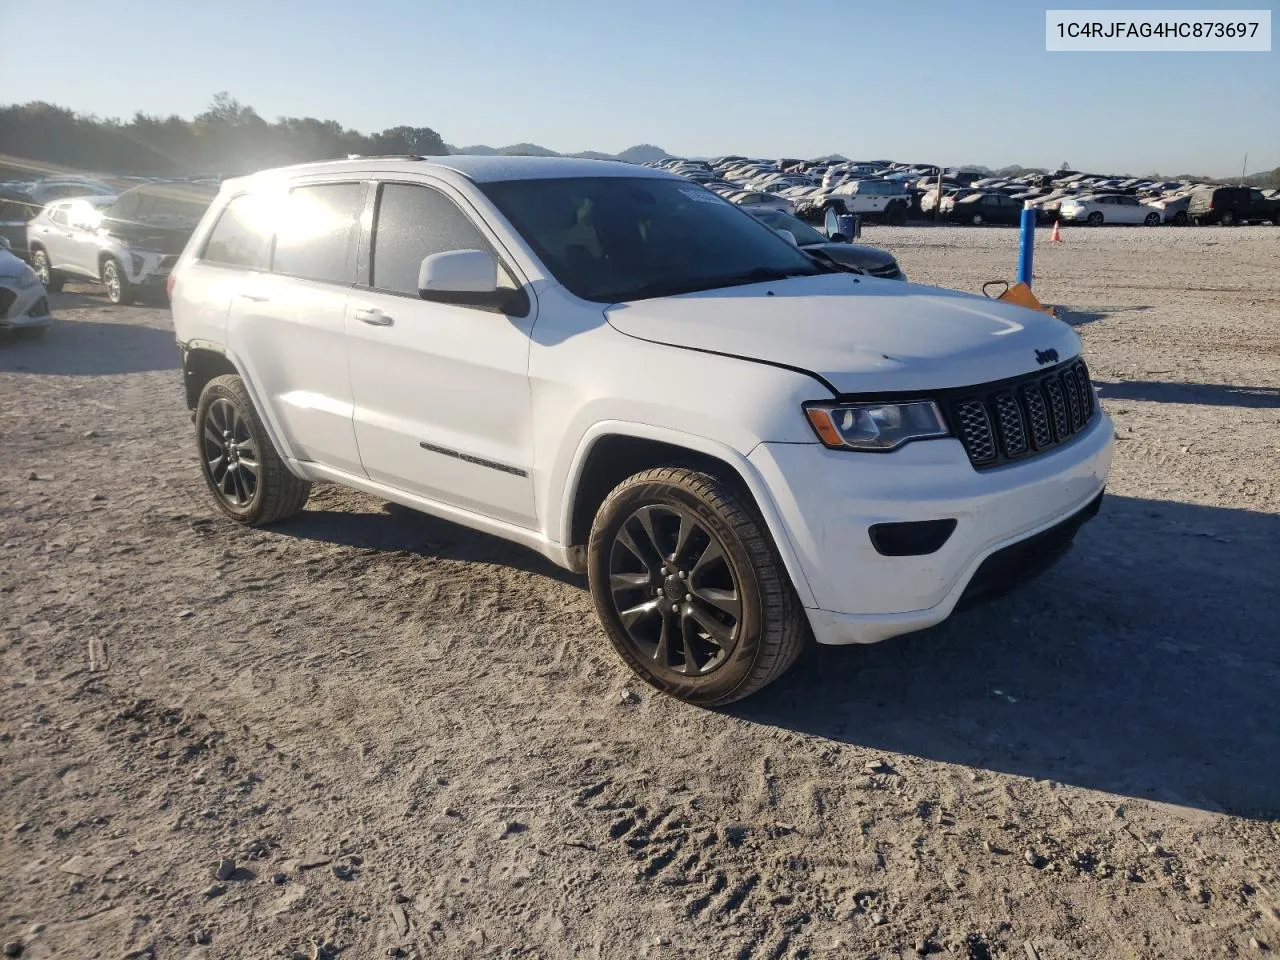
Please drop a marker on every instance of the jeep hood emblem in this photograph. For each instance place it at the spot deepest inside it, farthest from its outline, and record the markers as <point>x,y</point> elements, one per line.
<point>1046,356</point>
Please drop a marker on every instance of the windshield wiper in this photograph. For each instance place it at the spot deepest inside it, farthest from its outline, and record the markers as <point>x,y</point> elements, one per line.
<point>760,275</point>
<point>831,265</point>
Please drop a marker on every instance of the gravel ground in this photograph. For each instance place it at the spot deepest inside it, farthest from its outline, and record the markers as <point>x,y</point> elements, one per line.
<point>369,733</point>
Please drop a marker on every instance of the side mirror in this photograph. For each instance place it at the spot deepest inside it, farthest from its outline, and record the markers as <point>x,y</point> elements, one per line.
<point>788,236</point>
<point>469,278</point>
<point>457,272</point>
<point>4,243</point>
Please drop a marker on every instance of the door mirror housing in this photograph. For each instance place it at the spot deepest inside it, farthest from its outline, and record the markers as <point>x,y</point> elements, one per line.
<point>788,236</point>
<point>457,272</point>
<point>469,278</point>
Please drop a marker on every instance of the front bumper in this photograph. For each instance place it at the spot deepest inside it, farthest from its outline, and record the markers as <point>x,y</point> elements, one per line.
<point>23,307</point>
<point>829,499</point>
<point>149,268</point>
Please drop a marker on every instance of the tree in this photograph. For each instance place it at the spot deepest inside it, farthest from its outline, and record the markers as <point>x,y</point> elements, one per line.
<point>226,139</point>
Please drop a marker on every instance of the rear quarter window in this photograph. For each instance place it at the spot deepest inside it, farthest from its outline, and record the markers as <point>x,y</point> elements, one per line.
<point>241,237</point>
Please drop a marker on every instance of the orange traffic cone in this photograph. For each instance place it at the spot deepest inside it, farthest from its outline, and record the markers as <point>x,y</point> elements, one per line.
<point>1056,236</point>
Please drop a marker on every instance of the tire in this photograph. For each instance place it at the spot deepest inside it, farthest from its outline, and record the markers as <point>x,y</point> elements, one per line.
<point>896,215</point>
<point>1275,221</point>
<point>1095,219</point>
<point>1228,218</point>
<point>653,511</point>
<point>227,424</point>
<point>1180,218</point>
<point>119,289</point>
<point>49,277</point>
<point>1152,220</point>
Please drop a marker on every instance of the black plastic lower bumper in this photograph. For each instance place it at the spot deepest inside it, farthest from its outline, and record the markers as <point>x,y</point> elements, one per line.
<point>1022,561</point>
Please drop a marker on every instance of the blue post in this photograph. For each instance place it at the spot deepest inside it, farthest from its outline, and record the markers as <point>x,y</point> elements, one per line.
<point>1026,244</point>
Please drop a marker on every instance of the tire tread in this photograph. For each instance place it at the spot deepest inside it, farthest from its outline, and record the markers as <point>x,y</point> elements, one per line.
<point>283,494</point>
<point>784,626</point>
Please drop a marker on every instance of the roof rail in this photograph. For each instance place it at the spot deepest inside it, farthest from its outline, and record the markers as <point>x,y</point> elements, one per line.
<point>381,156</point>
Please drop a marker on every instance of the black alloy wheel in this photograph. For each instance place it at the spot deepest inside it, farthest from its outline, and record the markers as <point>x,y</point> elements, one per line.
<point>689,586</point>
<point>230,454</point>
<point>674,590</point>
<point>250,481</point>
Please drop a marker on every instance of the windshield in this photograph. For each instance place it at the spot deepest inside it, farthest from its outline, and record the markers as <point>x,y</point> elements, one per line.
<point>777,220</point>
<point>611,239</point>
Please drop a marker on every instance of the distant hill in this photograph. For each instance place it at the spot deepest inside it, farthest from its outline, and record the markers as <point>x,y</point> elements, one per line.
<point>640,153</point>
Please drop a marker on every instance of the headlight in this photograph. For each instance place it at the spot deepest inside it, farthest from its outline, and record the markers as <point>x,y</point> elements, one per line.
<point>875,426</point>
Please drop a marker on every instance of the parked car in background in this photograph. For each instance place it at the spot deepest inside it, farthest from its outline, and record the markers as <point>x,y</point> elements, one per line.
<point>1096,209</point>
<point>871,199</point>
<point>24,302</point>
<point>1231,205</point>
<point>752,199</point>
<point>929,202</point>
<point>985,207</point>
<point>1172,209</point>
<point>62,188</point>
<point>870,260</point>
<point>17,209</point>
<point>128,244</point>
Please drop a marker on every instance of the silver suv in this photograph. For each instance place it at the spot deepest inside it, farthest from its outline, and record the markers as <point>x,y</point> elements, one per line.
<point>127,243</point>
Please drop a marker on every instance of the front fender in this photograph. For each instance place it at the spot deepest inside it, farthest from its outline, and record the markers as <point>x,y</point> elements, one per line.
<point>712,448</point>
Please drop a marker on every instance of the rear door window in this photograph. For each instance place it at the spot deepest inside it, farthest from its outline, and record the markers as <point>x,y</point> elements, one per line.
<point>316,232</point>
<point>242,235</point>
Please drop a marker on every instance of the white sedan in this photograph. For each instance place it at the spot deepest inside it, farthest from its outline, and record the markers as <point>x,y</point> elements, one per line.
<point>761,201</point>
<point>1096,209</point>
<point>24,303</point>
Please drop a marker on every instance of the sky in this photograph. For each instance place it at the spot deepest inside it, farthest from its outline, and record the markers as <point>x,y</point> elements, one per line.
<point>925,82</point>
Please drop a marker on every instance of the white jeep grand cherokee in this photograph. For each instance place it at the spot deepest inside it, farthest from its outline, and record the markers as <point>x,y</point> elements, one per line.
<point>740,445</point>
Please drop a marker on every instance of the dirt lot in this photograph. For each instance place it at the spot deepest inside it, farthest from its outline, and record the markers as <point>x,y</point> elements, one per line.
<point>413,741</point>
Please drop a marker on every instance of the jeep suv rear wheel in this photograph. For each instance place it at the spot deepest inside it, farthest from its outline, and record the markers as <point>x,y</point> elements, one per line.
<point>690,588</point>
<point>248,478</point>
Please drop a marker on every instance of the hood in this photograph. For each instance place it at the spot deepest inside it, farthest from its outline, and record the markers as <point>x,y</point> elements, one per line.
<point>860,334</point>
<point>856,255</point>
<point>149,236</point>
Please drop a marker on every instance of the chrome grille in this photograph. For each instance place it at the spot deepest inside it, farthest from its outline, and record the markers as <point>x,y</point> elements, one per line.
<point>1025,416</point>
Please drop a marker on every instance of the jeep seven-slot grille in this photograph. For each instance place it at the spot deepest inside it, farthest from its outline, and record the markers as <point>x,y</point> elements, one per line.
<point>1025,416</point>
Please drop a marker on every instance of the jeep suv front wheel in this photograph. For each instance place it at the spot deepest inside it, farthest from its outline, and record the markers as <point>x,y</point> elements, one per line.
<point>690,588</point>
<point>248,478</point>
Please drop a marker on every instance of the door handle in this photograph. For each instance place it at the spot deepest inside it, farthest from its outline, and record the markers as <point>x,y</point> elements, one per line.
<point>255,297</point>
<point>374,317</point>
